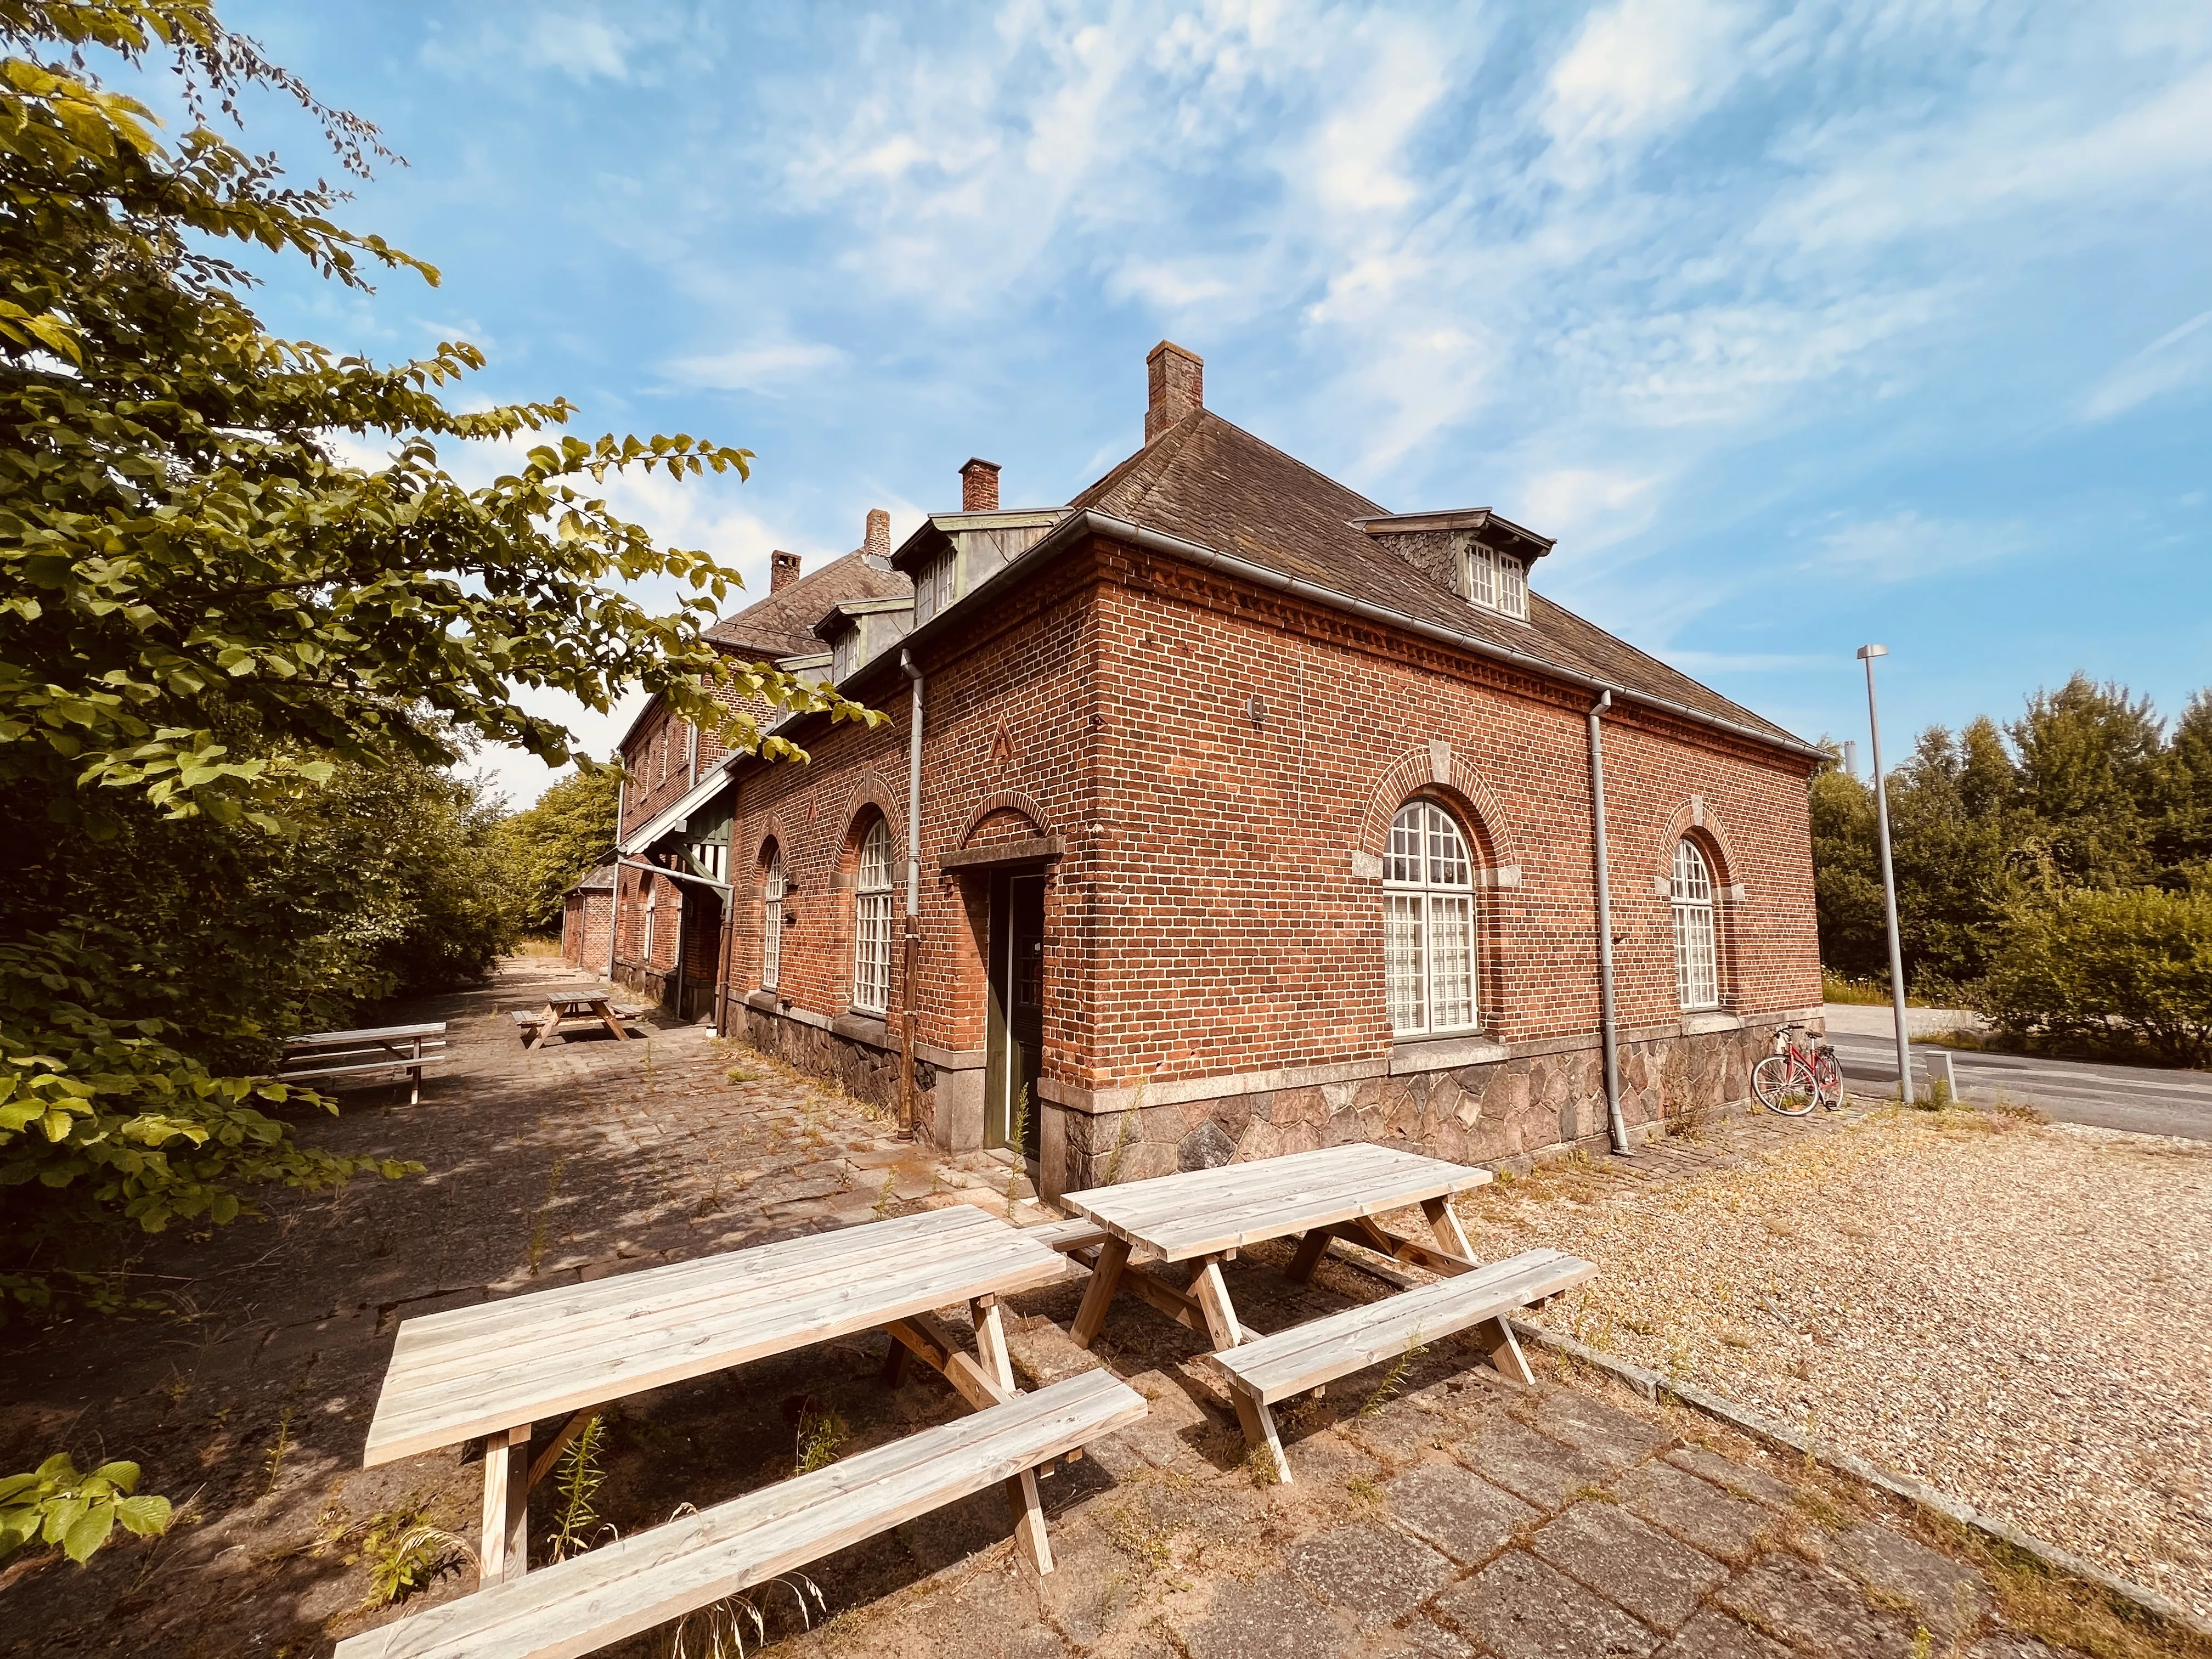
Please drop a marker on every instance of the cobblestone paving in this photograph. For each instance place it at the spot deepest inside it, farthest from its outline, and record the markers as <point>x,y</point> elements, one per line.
<point>1445,1513</point>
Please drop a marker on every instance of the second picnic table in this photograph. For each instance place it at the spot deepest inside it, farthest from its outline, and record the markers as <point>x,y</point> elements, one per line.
<point>584,1006</point>
<point>1206,1215</point>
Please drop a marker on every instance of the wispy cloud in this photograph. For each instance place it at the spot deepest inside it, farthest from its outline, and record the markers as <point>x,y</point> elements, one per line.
<point>1904,546</point>
<point>2180,359</point>
<point>773,367</point>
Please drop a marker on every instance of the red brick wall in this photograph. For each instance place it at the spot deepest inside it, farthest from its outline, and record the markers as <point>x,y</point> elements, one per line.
<point>1206,920</point>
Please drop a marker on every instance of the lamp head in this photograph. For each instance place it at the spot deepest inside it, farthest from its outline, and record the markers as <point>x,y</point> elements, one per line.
<point>1867,651</point>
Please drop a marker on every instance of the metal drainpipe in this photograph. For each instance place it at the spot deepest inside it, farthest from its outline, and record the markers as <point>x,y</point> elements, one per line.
<point>614,894</point>
<point>1619,1130</point>
<point>907,1021</point>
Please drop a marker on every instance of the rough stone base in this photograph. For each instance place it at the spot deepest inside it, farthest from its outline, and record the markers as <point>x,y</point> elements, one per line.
<point>1506,1113</point>
<point>862,1070</point>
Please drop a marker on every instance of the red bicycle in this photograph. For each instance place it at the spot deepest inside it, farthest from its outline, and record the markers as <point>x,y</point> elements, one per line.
<point>1793,1079</point>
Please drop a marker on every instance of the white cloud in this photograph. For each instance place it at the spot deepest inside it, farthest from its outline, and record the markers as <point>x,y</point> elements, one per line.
<point>1905,546</point>
<point>1586,506</point>
<point>2177,359</point>
<point>1636,70</point>
<point>581,47</point>
<point>770,367</point>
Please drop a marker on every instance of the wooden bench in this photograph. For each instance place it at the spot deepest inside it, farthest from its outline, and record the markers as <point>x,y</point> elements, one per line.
<point>592,1600</point>
<point>1068,1236</point>
<point>528,1020</point>
<point>411,1049</point>
<point>1268,1369</point>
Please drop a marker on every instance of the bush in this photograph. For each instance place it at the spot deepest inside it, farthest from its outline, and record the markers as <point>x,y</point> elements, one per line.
<point>2088,967</point>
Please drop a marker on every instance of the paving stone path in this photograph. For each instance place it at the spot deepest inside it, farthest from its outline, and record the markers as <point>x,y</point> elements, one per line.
<point>1434,1509</point>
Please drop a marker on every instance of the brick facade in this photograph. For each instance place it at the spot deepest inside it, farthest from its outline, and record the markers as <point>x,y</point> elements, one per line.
<point>1204,768</point>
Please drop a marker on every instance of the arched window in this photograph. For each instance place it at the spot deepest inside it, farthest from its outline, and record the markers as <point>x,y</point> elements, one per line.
<point>1696,969</point>
<point>1428,922</point>
<point>871,917</point>
<point>772,920</point>
<point>652,911</point>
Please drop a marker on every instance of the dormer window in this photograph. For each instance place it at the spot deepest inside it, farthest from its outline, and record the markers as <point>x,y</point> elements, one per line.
<point>1496,581</point>
<point>933,594</point>
<point>841,655</point>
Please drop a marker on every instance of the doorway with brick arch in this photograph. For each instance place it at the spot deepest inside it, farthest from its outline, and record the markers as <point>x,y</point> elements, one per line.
<point>1014,1040</point>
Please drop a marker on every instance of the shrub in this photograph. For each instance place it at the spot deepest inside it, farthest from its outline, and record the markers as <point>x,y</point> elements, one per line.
<point>2088,967</point>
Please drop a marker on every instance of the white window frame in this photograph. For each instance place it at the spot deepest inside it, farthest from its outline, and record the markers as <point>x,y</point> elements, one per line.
<point>652,909</point>
<point>1497,582</point>
<point>871,922</point>
<point>1430,944</point>
<point>1697,929</point>
<point>772,896</point>
<point>934,593</point>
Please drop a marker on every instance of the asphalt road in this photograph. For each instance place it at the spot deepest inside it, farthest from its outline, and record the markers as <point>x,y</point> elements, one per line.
<point>2148,1101</point>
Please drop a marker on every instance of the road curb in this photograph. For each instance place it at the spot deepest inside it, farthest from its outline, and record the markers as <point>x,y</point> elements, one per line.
<point>1761,1427</point>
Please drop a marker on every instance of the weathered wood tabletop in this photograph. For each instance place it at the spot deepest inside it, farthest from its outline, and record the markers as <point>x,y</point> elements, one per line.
<point>561,1006</point>
<point>497,1368</point>
<point>1206,1215</point>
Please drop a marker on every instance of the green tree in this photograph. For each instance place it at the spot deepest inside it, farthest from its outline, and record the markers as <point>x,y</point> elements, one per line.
<point>2091,782</point>
<point>2091,965</point>
<point>208,613</point>
<point>1952,828</point>
<point>548,846</point>
<point>1846,877</point>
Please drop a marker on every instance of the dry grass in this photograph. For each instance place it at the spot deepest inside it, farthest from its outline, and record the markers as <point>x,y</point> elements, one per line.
<point>2012,1313</point>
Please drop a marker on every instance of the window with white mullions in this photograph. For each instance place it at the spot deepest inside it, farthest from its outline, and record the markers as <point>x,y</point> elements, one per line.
<point>871,914</point>
<point>772,922</point>
<point>1428,922</point>
<point>1697,962</point>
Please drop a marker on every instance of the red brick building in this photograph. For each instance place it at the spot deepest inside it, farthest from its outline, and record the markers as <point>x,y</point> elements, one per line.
<point>587,909</point>
<point>1251,816</point>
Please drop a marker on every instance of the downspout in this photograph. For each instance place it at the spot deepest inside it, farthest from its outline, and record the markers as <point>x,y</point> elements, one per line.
<point>614,894</point>
<point>1619,1130</point>
<point>908,1016</point>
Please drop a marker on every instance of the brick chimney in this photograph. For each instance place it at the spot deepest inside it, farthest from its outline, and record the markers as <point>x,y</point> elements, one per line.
<point>782,570</point>
<point>877,546</point>
<point>979,487</point>
<point>1175,385</point>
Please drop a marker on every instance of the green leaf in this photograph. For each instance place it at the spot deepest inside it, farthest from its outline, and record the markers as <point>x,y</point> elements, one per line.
<point>88,1533</point>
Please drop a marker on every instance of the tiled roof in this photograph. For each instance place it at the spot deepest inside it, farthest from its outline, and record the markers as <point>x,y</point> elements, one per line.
<point>602,878</point>
<point>782,624</point>
<point>1207,481</point>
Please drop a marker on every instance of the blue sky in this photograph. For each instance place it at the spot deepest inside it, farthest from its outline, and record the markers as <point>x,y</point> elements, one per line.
<point>1797,327</point>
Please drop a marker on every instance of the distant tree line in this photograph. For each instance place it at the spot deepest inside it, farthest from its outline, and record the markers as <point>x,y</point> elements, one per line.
<point>2055,871</point>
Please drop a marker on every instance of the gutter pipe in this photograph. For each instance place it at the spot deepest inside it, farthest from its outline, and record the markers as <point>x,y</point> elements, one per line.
<point>614,896</point>
<point>1606,1024</point>
<point>913,952</point>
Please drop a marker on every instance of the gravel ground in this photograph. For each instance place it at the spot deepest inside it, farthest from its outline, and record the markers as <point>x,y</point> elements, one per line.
<point>2016,1314</point>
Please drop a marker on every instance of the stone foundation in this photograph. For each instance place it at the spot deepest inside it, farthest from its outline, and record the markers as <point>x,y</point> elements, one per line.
<point>1506,1113</point>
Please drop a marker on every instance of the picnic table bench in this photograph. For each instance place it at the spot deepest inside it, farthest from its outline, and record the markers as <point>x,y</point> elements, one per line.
<point>496,1369</point>
<point>540,1025</point>
<point>1205,1216</point>
<point>379,1048</point>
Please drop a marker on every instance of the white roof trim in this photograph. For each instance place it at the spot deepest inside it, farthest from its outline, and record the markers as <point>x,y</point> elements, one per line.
<point>671,817</point>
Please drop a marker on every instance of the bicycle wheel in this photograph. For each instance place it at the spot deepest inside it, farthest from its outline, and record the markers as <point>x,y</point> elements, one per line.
<point>1828,1079</point>
<point>1783,1086</point>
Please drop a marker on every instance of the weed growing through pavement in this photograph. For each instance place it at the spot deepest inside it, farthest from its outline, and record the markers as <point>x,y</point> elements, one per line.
<point>717,1631</point>
<point>1018,1134</point>
<point>540,1217</point>
<point>883,1206</point>
<point>1366,1496</point>
<point>272,1460</point>
<point>577,1478</point>
<point>821,1433</point>
<point>1393,1380</point>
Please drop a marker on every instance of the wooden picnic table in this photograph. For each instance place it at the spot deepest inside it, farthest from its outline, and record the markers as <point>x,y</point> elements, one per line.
<point>1205,1216</point>
<point>373,1049</point>
<point>561,1006</point>
<point>495,1368</point>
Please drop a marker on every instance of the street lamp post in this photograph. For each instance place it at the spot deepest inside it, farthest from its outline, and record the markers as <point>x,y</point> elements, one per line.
<point>1866,655</point>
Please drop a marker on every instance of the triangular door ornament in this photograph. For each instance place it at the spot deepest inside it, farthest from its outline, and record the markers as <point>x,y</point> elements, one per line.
<point>1002,746</point>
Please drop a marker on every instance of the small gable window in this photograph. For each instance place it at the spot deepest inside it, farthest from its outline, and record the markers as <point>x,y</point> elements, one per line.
<point>933,594</point>
<point>1497,582</point>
